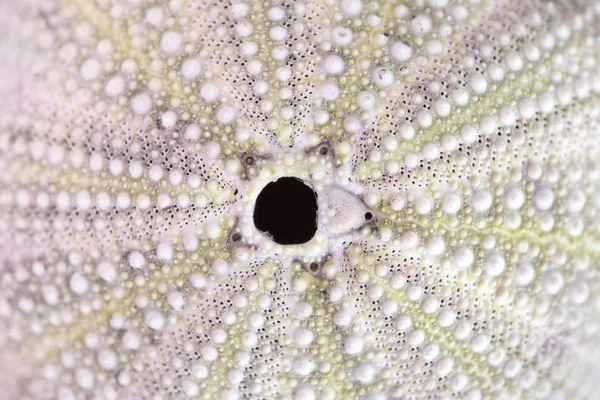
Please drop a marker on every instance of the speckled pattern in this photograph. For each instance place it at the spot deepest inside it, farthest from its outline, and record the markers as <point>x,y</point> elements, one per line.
<point>136,135</point>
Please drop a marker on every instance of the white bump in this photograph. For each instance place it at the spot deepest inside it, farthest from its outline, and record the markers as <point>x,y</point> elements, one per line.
<point>364,372</point>
<point>90,69</point>
<point>141,104</point>
<point>352,7</point>
<point>136,259</point>
<point>493,264</point>
<point>106,271</point>
<point>333,64</point>
<point>210,92</point>
<point>154,320</point>
<point>79,283</point>
<point>170,42</point>
<point>400,51</point>
<point>421,25</point>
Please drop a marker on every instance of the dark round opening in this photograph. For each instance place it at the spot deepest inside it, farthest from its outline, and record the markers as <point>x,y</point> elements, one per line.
<point>368,216</point>
<point>286,210</point>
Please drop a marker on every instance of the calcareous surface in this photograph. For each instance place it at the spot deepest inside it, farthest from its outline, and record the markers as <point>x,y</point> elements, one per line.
<point>454,147</point>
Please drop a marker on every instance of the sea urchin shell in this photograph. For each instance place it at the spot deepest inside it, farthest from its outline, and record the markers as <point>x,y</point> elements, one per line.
<point>449,151</point>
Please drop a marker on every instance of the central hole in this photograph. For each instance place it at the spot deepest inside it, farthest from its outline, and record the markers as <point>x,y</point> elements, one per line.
<point>286,210</point>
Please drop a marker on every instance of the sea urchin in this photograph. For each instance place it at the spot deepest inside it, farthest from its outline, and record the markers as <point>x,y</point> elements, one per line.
<point>299,199</point>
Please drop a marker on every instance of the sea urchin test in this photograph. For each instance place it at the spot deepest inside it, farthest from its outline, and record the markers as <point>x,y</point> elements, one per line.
<point>304,200</point>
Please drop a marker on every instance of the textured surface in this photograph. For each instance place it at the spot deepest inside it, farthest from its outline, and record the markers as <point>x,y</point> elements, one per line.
<point>135,137</point>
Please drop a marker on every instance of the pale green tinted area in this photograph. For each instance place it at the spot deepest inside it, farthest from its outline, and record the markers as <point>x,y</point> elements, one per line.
<point>136,135</point>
